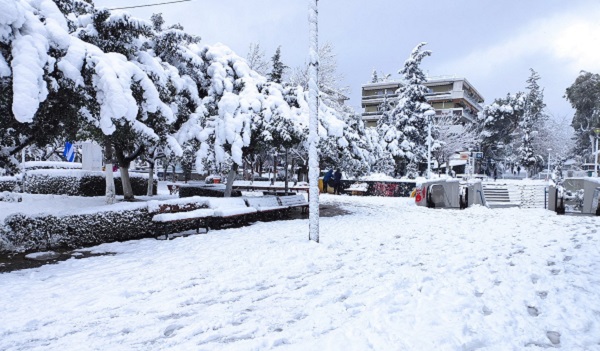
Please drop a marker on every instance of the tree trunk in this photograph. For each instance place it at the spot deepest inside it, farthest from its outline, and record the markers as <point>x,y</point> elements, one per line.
<point>124,163</point>
<point>274,171</point>
<point>126,182</point>
<point>150,191</point>
<point>230,180</point>
<point>108,171</point>
<point>294,173</point>
<point>286,171</point>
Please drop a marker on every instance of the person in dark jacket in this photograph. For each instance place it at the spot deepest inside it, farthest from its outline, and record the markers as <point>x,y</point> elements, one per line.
<point>326,179</point>
<point>337,181</point>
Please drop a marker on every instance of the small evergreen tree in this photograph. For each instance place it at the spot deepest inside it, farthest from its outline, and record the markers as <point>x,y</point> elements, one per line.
<point>278,69</point>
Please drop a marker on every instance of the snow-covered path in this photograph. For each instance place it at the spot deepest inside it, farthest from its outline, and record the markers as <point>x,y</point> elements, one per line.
<point>391,276</point>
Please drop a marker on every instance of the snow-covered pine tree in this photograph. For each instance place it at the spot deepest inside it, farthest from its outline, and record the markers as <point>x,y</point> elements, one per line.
<point>497,124</point>
<point>403,130</point>
<point>533,117</point>
<point>374,77</point>
<point>584,96</point>
<point>278,68</point>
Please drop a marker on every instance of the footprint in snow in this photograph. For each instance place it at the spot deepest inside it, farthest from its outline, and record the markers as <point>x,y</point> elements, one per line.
<point>486,311</point>
<point>542,294</point>
<point>533,311</point>
<point>554,337</point>
<point>567,258</point>
<point>171,329</point>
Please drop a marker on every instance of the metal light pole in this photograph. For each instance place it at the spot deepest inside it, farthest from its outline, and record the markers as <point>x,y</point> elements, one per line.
<point>596,131</point>
<point>549,164</point>
<point>313,136</point>
<point>429,147</point>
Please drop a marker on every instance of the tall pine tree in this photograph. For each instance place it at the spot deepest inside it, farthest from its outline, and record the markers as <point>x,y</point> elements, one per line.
<point>403,131</point>
<point>533,115</point>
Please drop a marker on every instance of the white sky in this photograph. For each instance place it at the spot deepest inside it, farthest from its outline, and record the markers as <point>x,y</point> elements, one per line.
<point>491,43</point>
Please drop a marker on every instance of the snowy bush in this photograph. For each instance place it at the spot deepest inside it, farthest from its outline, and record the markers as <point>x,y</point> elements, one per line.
<point>79,183</point>
<point>22,232</point>
<point>28,233</point>
<point>8,184</point>
<point>33,165</point>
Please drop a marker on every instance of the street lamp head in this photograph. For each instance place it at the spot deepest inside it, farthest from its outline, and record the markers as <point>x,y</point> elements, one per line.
<point>597,131</point>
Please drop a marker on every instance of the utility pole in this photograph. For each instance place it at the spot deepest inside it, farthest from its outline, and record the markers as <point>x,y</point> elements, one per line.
<point>429,147</point>
<point>313,136</point>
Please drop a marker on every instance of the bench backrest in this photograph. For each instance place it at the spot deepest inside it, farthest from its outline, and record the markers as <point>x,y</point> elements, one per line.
<point>294,200</point>
<point>262,201</point>
<point>226,202</point>
<point>177,205</point>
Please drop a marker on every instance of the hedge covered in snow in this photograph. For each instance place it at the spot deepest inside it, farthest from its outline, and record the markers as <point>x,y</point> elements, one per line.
<point>8,183</point>
<point>120,222</point>
<point>33,165</point>
<point>79,183</point>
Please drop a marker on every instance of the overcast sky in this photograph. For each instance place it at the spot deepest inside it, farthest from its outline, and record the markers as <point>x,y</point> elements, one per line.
<point>491,43</point>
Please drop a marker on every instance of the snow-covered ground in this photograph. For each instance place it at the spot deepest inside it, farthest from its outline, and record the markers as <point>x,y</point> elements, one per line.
<point>390,276</point>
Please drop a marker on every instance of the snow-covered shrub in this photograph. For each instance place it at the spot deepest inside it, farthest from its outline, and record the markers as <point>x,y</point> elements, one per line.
<point>79,183</point>
<point>8,184</point>
<point>102,227</point>
<point>22,232</point>
<point>33,165</point>
<point>28,233</point>
<point>6,196</point>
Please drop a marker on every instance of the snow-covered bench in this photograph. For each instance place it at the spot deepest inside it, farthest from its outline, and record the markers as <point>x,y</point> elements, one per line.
<point>230,209</point>
<point>266,205</point>
<point>295,201</point>
<point>166,213</point>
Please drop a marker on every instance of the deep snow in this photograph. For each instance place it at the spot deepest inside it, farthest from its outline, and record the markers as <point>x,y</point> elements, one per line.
<point>390,276</point>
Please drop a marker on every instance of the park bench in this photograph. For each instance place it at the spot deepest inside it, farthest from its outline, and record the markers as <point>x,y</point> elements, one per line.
<point>266,206</point>
<point>230,210</point>
<point>295,201</point>
<point>166,214</point>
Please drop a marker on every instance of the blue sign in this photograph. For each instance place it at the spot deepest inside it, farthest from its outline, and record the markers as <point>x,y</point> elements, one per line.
<point>69,152</point>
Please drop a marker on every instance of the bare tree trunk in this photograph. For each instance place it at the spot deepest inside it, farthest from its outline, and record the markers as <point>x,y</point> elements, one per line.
<point>274,170</point>
<point>108,171</point>
<point>124,163</point>
<point>126,182</point>
<point>286,171</point>
<point>293,172</point>
<point>230,180</point>
<point>150,191</point>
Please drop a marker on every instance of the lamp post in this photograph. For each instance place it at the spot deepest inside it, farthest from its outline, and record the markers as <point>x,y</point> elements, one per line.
<point>549,164</point>
<point>429,146</point>
<point>313,136</point>
<point>596,131</point>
